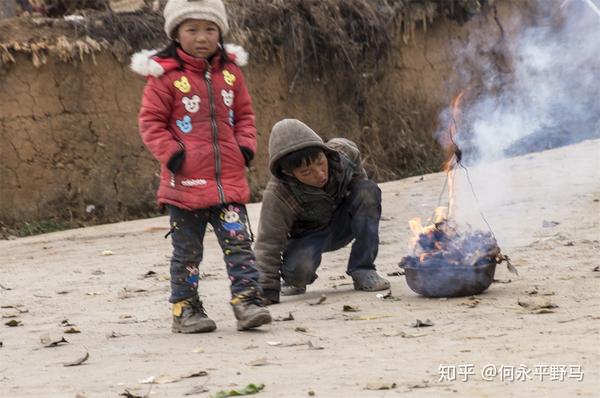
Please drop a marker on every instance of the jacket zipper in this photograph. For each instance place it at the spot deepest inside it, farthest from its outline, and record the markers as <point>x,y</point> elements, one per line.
<point>215,131</point>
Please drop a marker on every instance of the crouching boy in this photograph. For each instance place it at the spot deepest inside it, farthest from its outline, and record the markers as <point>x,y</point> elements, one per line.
<point>318,200</point>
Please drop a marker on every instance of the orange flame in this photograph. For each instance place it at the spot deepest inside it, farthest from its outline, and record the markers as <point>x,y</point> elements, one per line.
<point>453,160</point>
<point>443,214</point>
<point>440,217</point>
<point>453,130</point>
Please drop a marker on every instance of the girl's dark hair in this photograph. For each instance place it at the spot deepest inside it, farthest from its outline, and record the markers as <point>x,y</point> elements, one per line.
<point>224,57</point>
<point>171,52</point>
<point>304,156</point>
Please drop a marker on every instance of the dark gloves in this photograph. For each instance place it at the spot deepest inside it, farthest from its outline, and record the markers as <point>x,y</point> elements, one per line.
<point>176,161</point>
<point>271,296</point>
<point>248,155</point>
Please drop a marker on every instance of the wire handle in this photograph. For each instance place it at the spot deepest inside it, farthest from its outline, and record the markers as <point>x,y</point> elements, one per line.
<point>458,156</point>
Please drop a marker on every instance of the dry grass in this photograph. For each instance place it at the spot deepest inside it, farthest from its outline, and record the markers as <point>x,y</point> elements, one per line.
<point>307,36</point>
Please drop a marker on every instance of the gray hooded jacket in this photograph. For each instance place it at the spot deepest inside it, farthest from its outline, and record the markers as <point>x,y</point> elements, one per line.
<point>292,209</point>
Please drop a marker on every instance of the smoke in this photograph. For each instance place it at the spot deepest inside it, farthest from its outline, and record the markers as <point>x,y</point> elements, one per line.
<point>528,91</point>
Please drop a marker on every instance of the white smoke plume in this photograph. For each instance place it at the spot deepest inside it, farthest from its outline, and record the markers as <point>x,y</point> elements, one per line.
<point>548,96</point>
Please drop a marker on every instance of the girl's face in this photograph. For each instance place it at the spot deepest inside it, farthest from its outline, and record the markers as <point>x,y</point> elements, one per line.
<point>198,37</point>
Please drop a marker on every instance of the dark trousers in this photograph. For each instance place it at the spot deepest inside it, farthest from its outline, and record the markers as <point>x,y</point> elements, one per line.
<point>357,217</point>
<point>230,225</point>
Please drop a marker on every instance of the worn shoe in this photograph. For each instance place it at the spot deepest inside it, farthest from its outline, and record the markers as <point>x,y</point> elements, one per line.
<point>291,290</point>
<point>249,310</point>
<point>189,316</point>
<point>369,281</point>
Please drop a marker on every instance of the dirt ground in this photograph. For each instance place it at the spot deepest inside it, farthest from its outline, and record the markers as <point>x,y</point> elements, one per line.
<point>93,279</point>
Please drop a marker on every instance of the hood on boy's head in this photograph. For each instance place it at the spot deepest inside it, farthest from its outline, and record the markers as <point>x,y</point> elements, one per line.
<point>147,64</point>
<point>290,135</point>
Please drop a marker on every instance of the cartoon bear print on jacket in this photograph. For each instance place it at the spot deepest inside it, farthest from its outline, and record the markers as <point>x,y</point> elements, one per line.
<point>192,105</point>
<point>185,125</point>
<point>227,97</point>
<point>183,85</point>
<point>229,77</point>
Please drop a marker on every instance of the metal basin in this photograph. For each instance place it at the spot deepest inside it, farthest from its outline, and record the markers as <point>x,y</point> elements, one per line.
<point>449,280</point>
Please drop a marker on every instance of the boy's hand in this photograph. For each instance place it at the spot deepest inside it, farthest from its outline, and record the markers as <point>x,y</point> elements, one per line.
<point>271,296</point>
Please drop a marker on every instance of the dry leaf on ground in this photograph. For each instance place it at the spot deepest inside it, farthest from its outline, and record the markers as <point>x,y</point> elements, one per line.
<point>538,306</point>
<point>167,379</point>
<point>196,390</point>
<point>290,317</point>
<point>129,394</point>
<point>380,386</point>
<point>320,301</point>
<point>48,343</point>
<point>311,346</point>
<point>258,362</point>
<point>421,324</point>
<point>368,317</point>
<point>79,361</point>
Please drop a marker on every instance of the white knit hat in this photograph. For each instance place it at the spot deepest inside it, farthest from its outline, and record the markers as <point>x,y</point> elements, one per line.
<point>177,11</point>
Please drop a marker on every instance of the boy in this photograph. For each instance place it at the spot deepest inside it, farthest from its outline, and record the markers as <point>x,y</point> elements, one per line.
<point>318,199</point>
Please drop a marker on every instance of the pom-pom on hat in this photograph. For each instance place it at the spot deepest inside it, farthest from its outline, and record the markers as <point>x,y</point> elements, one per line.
<point>177,11</point>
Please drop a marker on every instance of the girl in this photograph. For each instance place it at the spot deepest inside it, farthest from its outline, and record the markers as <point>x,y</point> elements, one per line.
<point>197,120</point>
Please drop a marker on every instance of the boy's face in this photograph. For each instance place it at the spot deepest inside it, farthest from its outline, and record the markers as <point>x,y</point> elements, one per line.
<point>198,37</point>
<point>314,174</point>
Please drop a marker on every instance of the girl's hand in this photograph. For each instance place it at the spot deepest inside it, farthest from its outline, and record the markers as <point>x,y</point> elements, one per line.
<point>174,164</point>
<point>248,155</point>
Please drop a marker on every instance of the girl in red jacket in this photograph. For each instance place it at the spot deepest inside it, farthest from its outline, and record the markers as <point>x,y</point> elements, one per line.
<point>197,120</point>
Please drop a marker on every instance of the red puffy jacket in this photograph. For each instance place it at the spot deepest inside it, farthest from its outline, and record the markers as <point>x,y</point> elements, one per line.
<point>208,112</point>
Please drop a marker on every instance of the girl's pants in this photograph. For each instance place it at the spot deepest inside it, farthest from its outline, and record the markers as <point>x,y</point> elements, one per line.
<point>229,222</point>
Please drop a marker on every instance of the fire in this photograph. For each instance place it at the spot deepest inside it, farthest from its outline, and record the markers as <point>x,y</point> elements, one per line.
<point>453,130</point>
<point>443,214</point>
<point>440,217</point>
<point>442,242</point>
<point>455,157</point>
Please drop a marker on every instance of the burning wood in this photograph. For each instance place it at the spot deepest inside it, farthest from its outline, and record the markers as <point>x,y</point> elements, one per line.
<point>441,244</point>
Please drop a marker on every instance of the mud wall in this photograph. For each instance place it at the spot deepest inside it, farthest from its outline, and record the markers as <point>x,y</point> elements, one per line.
<point>70,149</point>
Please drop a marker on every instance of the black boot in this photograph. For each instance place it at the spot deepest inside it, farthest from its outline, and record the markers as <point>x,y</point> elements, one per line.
<point>249,310</point>
<point>189,316</point>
